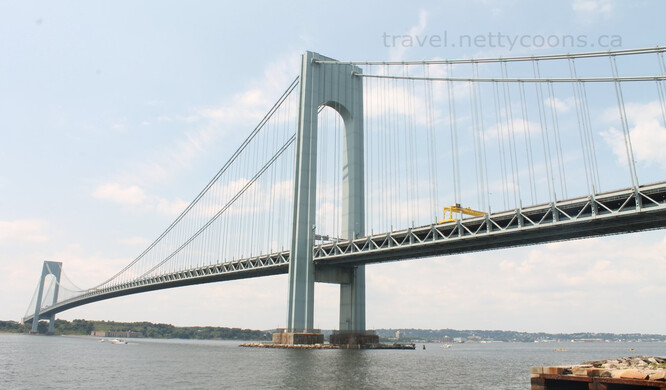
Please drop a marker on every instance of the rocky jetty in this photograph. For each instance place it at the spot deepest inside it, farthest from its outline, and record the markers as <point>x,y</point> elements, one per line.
<point>634,367</point>
<point>637,371</point>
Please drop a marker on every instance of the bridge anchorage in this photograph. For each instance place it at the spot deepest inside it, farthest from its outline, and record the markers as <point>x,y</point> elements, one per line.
<point>518,133</point>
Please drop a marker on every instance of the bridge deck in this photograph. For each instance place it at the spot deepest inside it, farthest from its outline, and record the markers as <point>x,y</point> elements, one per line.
<point>623,211</point>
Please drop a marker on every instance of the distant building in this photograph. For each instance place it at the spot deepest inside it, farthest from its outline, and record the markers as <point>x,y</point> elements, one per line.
<point>397,335</point>
<point>126,334</point>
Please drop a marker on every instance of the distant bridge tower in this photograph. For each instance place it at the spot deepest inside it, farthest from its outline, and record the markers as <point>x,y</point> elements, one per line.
<point>50,268</point>
<point>336,86</point>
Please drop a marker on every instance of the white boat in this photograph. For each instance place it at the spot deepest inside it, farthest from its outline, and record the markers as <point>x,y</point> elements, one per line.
<point>446,346</point>
<point>118,341</point>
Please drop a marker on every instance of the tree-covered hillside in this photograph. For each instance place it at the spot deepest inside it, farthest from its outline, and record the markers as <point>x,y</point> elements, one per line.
<point>148,329</point>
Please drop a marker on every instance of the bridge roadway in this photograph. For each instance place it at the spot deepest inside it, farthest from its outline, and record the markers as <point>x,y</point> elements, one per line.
<point>623,211</point>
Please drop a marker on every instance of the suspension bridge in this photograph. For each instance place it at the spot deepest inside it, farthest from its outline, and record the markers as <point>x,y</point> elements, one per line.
<point>357,162</point>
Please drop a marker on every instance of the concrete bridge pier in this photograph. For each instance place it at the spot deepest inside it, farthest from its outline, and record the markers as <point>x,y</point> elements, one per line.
<point>334,85</point>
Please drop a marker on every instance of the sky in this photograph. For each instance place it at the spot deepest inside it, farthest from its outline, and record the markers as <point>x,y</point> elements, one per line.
<point>114,115</point>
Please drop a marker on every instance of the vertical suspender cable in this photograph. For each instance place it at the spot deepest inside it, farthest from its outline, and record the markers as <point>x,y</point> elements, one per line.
<point>477,148</point>
<point>430,137</point>
<point>661,88</point>
<point>625,127</point>
<point>367,118</point>
<point>589,133</point>
<point>558,140</point>
<point>454,140</point>
<point>528,142</point>
<point>409,163</point>
<point>544,133</point>
<point>581,128</point>
<point>513,155</point>
<point>386,164</point>
<point>394,188</point>
<point>405,157</point>
<point>500,145</point>
<point>483,139</point>
<point>412,145</point>
<point>368,112</point>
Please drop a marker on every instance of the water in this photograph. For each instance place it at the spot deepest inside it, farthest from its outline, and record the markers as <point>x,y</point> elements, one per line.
<point>61,362</point>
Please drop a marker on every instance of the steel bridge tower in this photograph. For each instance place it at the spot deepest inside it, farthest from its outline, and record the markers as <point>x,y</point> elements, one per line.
<point>49,268</point>
<point>336,86</point>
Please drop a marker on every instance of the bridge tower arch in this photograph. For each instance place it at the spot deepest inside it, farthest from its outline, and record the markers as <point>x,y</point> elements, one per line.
<point>334,85</point>
<point>49,268</point>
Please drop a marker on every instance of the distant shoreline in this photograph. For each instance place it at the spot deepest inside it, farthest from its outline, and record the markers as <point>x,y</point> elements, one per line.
<point>167,331</point>
<point>80,327</point>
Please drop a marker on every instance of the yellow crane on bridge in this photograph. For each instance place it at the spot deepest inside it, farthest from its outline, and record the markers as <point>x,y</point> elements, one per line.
<point>456,208</point>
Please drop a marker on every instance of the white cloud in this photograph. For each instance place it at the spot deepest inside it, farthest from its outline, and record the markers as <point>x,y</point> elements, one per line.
<point>647,133</point>
<point>497,8</point>
<point>564,286</point>
<point>212,123</point>
<point>23,230</point>
<point>251,104</point>
<point>397,52</point>
<point>264,198</point>
<point>395,99</point>
<point>116,193</point>
<point>559,104</point>
<point>589,10</point>
<point>86,270</point>
<point>163,163</point>
<point>135,196</point>
<point>169,207</point>
<point>520,126</point>
<point>140,241</point>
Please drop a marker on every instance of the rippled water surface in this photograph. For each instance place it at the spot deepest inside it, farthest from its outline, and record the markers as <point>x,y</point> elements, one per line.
<point>60,362</point>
